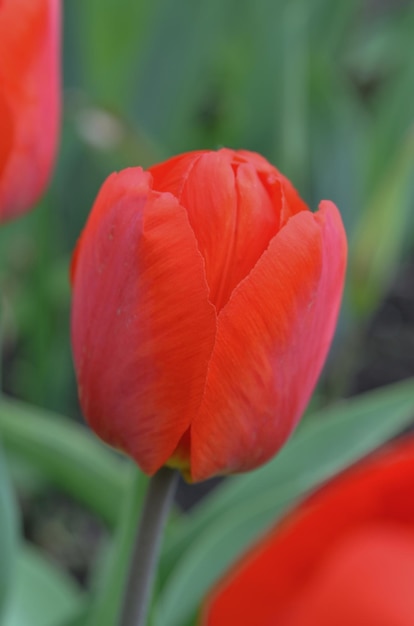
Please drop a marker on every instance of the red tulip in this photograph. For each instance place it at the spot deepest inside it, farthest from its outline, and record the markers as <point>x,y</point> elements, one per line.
<point>344,558</point>
<point>29,100</point>
<point>205,296</point>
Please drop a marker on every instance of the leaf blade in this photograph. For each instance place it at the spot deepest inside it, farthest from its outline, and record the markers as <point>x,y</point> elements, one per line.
<point>69,455</point>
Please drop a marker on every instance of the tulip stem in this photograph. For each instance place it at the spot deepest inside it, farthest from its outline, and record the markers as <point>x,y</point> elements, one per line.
<point>146,548</point>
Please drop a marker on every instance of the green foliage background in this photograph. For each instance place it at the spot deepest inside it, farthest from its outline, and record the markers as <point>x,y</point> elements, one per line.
<point>323,89</point>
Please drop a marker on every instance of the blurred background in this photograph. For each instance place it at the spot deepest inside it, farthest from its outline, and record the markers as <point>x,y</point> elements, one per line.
<point>324,90</point>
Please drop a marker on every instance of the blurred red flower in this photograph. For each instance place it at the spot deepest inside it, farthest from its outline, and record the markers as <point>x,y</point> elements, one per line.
<point>205,297</point>
<point>343,558</point>
<point>29,100</point>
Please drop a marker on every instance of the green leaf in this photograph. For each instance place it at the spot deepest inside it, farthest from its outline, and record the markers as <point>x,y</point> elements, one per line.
<point>381,233</point>
<point>295,93</point>
<point>182,77</point>
<point>392,110</point>
<point>42,595</point>
<point>8,534</point>
<point>209,540</point>
<point>68,454</point>
<point>110,41</point>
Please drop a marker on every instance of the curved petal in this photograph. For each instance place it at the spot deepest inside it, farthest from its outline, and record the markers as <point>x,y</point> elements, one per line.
<point>256,222</point>
<point>29,85</point>
<point>270,176</point>
<point>232,216</point>
<point>350,540</point>
<point>210,198</point>
<point>172,175</point>
<point>142,326</point>
<point>272,339</point>
<point>366,580</point>
<point>204,184</point>
<point>6,133</point>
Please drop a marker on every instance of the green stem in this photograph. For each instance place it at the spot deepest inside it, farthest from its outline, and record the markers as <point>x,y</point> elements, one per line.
<point>105,607</point>
<point>147,547</point>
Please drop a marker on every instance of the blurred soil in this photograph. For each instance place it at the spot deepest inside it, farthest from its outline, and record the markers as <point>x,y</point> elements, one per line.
<point>386,350</point>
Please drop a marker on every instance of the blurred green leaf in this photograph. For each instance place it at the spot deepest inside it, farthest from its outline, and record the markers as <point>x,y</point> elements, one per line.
<point>379,240</point>
<point>175,65</point>
<point>8,534</point>
<point>27,480</point>
<point>331,24</point>
<point>78,620</point>
<point>68,454</point>
<point>294,126</point>
<point>42,595</point>
<point>208,541</point>
<point>112,33</point>
<point>391,112</point>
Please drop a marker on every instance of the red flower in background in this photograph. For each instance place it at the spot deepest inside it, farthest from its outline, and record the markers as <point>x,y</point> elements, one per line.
<point>344,558</point>
<point>205,297</point>
<point>29,100</point>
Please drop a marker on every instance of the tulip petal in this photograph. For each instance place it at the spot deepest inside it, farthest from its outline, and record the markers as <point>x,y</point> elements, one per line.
<point>6,133</point>
<point>142,326</point>
<point>366,580</point>
<point>29,77</point>
<point>345,556</point>
<point>272,339</point>
<point>269,176</point>
<point>232,215</point>
<point>172,175</point>
<point>210,198</point>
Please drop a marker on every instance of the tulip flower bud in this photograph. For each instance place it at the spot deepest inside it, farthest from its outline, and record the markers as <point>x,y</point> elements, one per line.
<point>345,557</point>
<point>205,297</point>
<point>29,100</point>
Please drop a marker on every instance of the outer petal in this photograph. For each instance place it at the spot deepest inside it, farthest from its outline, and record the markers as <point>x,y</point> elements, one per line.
<point>272,339</point>
<point>29,89</point>
<point>344,557</point>
<point>142,326</point>
<point>6,133</point>
<point>365,581</point>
